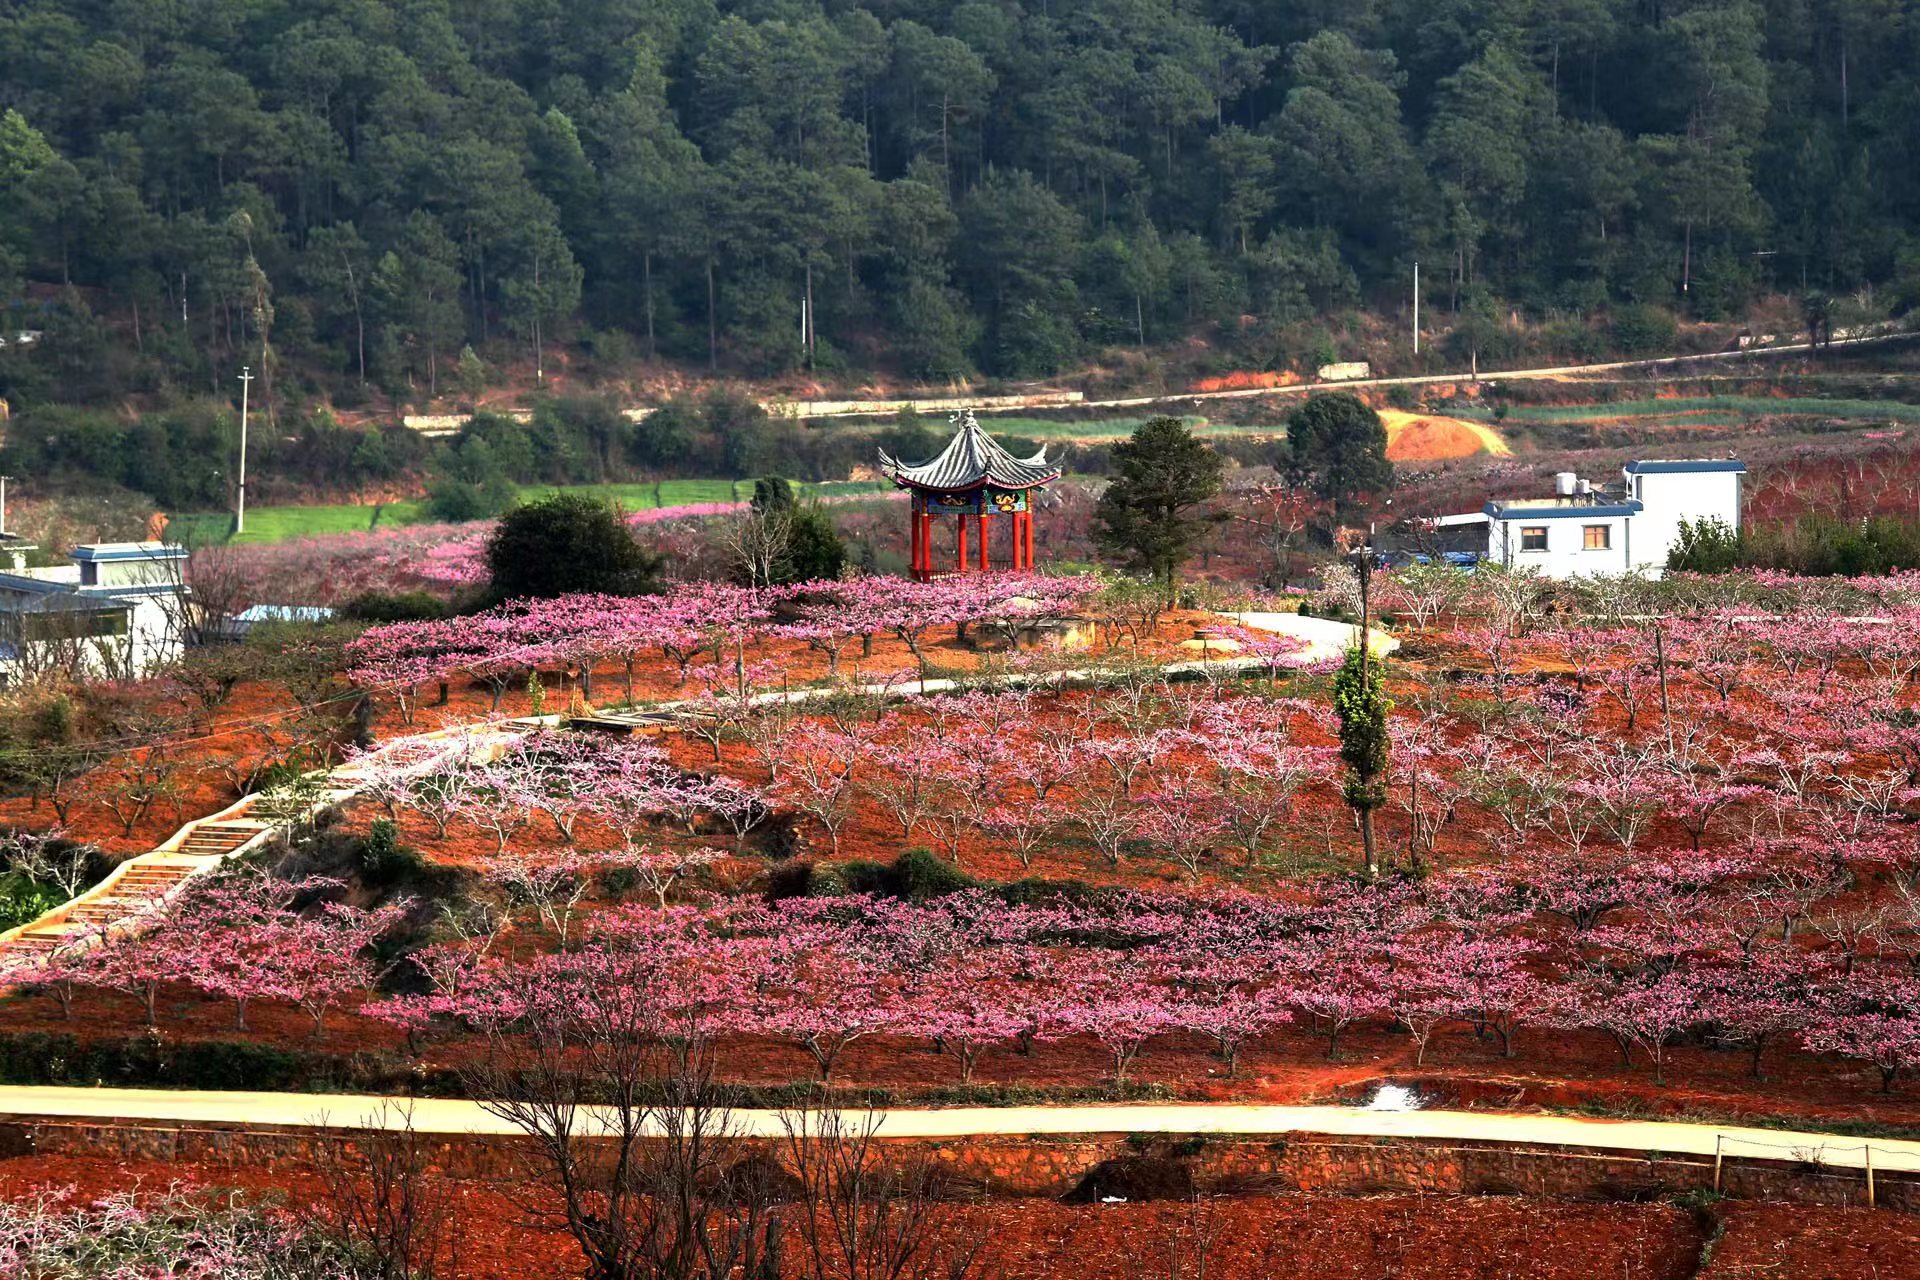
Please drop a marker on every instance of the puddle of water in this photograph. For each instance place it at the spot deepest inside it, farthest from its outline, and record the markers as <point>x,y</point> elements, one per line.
<point>1394,1097</point>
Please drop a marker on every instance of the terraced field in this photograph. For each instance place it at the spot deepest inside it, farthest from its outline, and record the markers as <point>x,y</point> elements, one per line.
<point>1703,410</point>
<point>279,524</point>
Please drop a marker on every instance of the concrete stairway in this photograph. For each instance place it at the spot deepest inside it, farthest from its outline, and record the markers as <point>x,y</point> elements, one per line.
<point>218,839</point>
<point>205,843</point>
<point>138,886</point>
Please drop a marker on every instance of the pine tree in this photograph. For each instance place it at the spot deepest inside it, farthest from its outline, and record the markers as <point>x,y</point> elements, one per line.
<point>1151,514</point>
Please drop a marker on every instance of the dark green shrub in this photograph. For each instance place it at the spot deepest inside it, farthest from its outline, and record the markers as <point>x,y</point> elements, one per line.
<point>618,882</point>
<point>827,882</point>
<point>154,1059</point>
<point>791,879</point>
<point>1638,329</point>
<point>918,874</point>
<point>455,501</point>
<point>23,899</point>
<point>382,859</point>
<point>1705,546</point>
<point>275,773</point>
<point>403,606</point>
<point>862,876</point>
<point>564,544</point>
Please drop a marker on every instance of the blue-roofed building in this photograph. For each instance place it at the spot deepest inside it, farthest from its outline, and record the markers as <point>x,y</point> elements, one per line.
<point>117,611</point>
<point>1587,530</point>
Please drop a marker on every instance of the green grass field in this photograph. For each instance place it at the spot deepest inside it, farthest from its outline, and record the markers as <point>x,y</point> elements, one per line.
<point>1745,407</point>
<point>277,524</point>
<point>1112,428</point>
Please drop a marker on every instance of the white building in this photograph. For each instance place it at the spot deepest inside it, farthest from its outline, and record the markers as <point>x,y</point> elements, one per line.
<point>118,611</point>
<point>1629,527</point>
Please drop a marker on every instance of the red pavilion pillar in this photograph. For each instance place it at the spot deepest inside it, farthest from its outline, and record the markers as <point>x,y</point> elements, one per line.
<point>985,565</point>
<point>926,539</point>
<point>960,543</point>
<point>913,534</point>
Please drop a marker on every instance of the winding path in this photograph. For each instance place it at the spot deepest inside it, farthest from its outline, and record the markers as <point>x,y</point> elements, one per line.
<point>452,1117</point>
<point>143,882</point>
<point>450,423</point>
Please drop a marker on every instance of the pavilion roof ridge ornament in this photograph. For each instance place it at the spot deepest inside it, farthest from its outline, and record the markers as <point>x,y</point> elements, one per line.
<point>971,459</point>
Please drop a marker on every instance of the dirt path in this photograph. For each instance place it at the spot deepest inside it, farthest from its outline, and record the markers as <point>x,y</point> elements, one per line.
<point>1491,375</point>
<point>446,424</point>
<point>448,1116</point>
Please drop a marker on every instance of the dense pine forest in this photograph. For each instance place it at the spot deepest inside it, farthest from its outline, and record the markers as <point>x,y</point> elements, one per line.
<point>352,195</point>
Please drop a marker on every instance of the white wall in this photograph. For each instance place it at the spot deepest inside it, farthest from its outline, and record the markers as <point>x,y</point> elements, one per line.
<point>1566,555</point>
<point>1669,498</point>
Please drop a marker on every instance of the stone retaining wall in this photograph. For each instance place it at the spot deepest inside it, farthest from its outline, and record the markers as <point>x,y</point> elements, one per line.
<point>1094,1165</point>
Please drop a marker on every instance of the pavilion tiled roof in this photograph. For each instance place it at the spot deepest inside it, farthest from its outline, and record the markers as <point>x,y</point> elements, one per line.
<point>971,459</point>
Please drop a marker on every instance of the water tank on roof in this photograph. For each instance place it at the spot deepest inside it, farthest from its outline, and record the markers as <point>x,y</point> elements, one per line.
<point>1563,482</point>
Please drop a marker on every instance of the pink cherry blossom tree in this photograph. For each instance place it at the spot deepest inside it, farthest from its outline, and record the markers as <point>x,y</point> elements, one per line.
<point>1105,1000</point>
<point>818,777</point>
<point>1873,1017</point>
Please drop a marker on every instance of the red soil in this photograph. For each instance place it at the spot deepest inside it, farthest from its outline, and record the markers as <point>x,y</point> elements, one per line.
<point>1326,1237</point>
<point>1247,380</point>
<point>1553,1069</point>
<point>255,725</point>
<point>1795,1243</point>
<point>1408,1237</point>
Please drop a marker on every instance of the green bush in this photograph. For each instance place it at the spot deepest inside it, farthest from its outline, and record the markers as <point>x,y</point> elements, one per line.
<point>918,874</point>
<point>402,606</point>
<point>827,882</point>
<point>382,859</point>
<point>273,776</point>
<point>1639,329</point>
<point>568,543</point>
<point>454,501</point>
<point>1815,546</point>
<point>618,882</point>
<point>1705,546</point>
<point>23,899</point>
<point>790,879</point>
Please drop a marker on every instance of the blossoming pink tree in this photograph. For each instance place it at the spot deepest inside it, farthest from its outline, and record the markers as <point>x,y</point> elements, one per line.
<point>1875,1019</point>
<point>1105,999</point>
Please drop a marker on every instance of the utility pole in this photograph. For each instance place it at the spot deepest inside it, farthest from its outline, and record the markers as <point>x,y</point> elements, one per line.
<point>240,507</point>
<point>1416,308</point>
<point>3,505</point>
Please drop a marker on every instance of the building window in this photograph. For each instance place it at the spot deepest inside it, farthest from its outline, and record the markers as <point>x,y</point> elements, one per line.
<point>1533,537</point>
<point>1597,537</point>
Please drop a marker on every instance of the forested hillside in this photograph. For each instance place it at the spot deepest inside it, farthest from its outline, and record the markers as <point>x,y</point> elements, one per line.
<point>365,188</point>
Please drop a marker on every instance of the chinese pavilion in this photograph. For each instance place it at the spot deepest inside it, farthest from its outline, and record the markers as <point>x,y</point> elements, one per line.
<point>971,481</point>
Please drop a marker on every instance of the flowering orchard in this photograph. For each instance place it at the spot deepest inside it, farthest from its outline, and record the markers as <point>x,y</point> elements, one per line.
<point>1471,963</point>
<point>501,647</point>
<point>1657,823</point>
<point>178,1232</point>
<point>1673,819</point>
<point>241,937</point>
